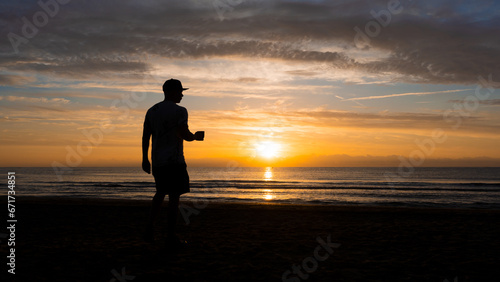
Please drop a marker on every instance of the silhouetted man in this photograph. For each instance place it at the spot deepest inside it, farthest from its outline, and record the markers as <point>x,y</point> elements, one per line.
<point>167,122</point>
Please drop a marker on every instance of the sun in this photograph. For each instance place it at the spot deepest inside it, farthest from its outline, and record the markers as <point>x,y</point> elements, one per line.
<point>268,149</point>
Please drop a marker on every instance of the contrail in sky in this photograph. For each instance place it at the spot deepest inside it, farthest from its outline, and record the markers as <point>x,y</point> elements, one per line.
<point>406,94</point>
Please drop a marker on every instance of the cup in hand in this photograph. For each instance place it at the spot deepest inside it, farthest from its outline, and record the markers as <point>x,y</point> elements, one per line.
<point>200,135</point>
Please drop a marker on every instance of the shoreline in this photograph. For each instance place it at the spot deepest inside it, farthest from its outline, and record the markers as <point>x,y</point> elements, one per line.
<point>138,202</point>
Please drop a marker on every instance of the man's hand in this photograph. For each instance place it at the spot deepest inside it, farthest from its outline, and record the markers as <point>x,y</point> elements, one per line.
<point>199,135</point>
<point>146,166</point>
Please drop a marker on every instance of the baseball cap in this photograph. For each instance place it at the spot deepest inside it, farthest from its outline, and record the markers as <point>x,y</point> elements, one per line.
<point>173,84</point>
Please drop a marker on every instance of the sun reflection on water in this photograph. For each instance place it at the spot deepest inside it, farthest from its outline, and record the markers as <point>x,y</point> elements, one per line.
<point>268,174</point>
<point>268,194</point>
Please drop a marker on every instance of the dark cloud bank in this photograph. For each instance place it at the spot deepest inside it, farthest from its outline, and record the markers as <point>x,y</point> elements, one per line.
<point>446,42</point>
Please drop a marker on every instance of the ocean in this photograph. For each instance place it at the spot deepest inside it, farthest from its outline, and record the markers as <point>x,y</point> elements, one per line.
<point>421,187</point>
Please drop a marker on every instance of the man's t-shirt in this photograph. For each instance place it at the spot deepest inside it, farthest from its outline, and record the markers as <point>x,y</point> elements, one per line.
<point>164,119</point>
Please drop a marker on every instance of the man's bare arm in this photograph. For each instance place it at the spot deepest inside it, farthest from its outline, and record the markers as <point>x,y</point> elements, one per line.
<point>187,135</point>
<point>146,135</point>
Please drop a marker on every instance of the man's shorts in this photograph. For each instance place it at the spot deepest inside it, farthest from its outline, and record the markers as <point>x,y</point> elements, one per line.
<point>171,179</point>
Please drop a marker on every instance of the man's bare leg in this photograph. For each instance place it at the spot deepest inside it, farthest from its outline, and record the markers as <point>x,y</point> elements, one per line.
<point>172,212</point>
<point>153,216</point>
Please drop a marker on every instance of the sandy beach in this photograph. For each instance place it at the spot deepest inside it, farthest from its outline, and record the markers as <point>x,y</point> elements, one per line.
<point>100,240</point>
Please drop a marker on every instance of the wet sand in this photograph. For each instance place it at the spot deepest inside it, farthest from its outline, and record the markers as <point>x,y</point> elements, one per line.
<point>100,240</point>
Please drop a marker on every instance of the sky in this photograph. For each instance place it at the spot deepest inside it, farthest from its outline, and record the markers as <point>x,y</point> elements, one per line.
<point>272,83</point>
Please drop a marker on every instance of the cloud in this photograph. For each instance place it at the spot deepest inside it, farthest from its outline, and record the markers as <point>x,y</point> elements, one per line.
<point>36,100</point>
<point>242,79</point>
<point>343,160</point>
<point>84,67</point>
<point>491,102</point>
<point>302,73</point>
<point>248,121</point>
<point>494,102</point>
<point>447,42</point>
<point>13,80</point>
<point>391,162</point>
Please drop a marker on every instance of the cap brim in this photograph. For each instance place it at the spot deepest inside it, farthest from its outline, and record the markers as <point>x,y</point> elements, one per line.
<point>185,88</point>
